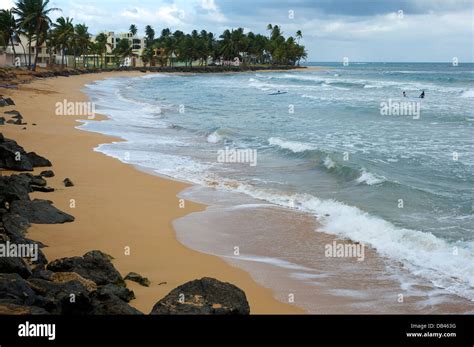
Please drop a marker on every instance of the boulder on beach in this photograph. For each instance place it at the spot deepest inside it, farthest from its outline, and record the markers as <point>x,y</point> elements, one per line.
<point>40,212</point>
<point>47,173</point>
<point>123,293</point>
<point>15,290</point>
<point>133,276</point>
<point>14,157</point>
<point>37,160</point>
<point>204,296</point>
<point>67,182</point>
<point>70,297</point>
<point>14,265</point>
<point>95,266</point>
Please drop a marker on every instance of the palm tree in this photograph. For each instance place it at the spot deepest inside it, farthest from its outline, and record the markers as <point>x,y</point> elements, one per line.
<point>33,16</point>
<point>133,30</point>
<point>150,35</point>
<point>8,29</point>
<point>122,50</point>
<point>299,36</point>
<point>102,44</point>
<point>63,33</point>
<point>82,40</point>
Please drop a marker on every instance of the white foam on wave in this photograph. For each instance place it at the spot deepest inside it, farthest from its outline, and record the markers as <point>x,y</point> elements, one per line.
<point>214,137</point>
<point>421,252</point>
<point>153,75</point>
<point>296,147</point>
<point>271,261</point>
<point>468,93</point>
<point>370,178</point>
<point>329,163</point>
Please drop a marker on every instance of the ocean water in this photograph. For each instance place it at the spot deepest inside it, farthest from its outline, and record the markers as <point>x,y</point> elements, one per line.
<point>401,184</point>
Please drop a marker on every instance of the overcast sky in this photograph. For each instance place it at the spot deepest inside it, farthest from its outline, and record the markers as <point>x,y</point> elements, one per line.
<point>362,30</point>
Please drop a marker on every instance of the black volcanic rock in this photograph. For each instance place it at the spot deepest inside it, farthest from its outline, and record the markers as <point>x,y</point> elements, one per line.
<point>40,212</point>
<point>37,160</point>
<point>13,156</point>
<point>15,226</point>
<point>68,183</point>
<point>204,296</point>
<point>133,276</point>
<point>70,297</point>
<point>106,304</point>
<point>14,265</point>
<point>15,290</point>
<point>95,266</point>
<point>123,293</point>
<point>47,173</point>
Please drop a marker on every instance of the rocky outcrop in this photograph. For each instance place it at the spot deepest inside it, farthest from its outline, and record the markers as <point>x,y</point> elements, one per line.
<point>133,276</point>
<point>95,266</point>
<point>204,296</point>
<point>40,212</point>
<point>14,157</point>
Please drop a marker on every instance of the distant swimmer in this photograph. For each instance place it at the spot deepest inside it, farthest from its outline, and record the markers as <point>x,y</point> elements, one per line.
<point>278,93</point>
<point>404,94</point>
<point>422,95</point>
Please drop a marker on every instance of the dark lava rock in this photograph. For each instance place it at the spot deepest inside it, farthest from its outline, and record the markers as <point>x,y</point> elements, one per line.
<point>47,173</point>
<point>111,305</point>
<point>41,273</point>
<point>110,289</point>
<point>13,156</point>
<point>15,226</point>
<point>68,183</point>
<point>14,113</point>
<point>70,297</point>
<point>14,121</point>
<point>133,276</point>
<point>94,265</point>
<point>15,290</point>
<point>204,296</point>
<point>42,189</point>
<point>40,212</point>
<point>9,101</point>
<point>12,309</point>
<point>37,160</point>
<point>14,265</point>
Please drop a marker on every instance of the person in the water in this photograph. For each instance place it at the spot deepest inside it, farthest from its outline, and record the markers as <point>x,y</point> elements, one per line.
<point>422,95</point>
<point>404,94</point>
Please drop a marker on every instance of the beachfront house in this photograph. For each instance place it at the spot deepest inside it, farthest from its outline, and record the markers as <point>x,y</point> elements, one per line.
<point>21,55</point>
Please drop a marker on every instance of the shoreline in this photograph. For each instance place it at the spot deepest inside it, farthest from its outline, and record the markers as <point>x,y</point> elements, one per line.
<point>126,209</point>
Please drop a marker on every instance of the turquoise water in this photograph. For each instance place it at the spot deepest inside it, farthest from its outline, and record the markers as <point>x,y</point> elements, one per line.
<point>403,184</point>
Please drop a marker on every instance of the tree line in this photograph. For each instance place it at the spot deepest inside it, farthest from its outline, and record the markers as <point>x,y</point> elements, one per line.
<point>31,19</point>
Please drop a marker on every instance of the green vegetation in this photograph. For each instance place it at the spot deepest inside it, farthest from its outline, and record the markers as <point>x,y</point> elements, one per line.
<point>30,18</point>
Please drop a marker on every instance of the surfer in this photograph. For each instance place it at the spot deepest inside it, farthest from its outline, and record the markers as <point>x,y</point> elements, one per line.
<point>422,95</point>
<point>404,94</point>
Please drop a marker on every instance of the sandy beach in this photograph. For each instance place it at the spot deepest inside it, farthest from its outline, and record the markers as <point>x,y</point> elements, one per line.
<point>117,207</point>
